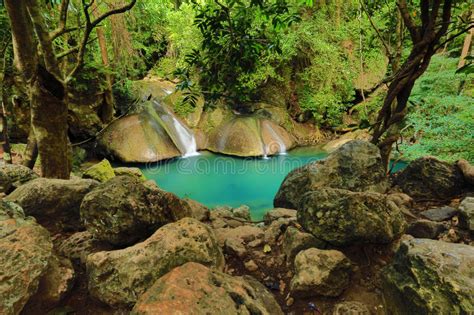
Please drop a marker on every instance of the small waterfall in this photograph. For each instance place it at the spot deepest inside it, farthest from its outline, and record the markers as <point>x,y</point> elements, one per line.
<point>277,138</point>
<point>180,134</point>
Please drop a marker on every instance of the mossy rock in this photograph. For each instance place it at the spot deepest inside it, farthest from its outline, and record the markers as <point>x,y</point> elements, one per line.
<point>101,172</point>
<point>129,171</point>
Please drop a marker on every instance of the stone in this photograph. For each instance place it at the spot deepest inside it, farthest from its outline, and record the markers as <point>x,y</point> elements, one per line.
<point>467,170</point>
<point>130,171</point>
<point>223,217</point>
<point>100,172</point>
<point>56,282</point>
<point>351,308</point>
<point>356,166</point>
<point>245,234</point>
<point>466,213</point>
<point>430,277</point>
<point>119,277</point>
<point>426,229</point>
<point>79,245</point>
<point>183,208</point>
<point>429,178</point>
<point>53,201</point>
<point>242,212</point>
<point>123,210</point>
<point>235,247</point>
<point>439,214</point>
<point>196,289</point>
<point>251,266</point>
<point>275,230</point>
<point>294,241</point>
<point>341,217</point>
<point>320,272</point>
<point>13,176</point>
<point>278,213</point>
<point>26,251</point>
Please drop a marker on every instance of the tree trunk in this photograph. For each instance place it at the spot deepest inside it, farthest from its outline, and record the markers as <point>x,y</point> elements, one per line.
<point>31,151</point>
<point>49,121</point>
<point>466,48</point>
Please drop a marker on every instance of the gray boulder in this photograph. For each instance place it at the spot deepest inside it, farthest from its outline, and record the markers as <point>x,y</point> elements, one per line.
<point>13,176</point>
<point>119,277</point>
<point>196,289</point>
<point>426,229</point>
<point>294,241</point>
<point>356,166</point>
<point>430,277</point>
<point>341,217</point>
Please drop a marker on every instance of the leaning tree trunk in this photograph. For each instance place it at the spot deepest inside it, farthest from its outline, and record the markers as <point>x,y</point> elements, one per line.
<point>49,122</point>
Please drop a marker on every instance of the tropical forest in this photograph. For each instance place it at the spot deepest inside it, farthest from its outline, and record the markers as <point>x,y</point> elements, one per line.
<point>221,157</point>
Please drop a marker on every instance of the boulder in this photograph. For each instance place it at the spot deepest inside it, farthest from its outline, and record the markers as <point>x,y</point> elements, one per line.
<point>242,212</point>
<point>13,175</point>
<point>100,172</point>
<point>294,241</point>
<point>355,166</point>
<point>54,201</point>
<point>426,229</point>
<point>439,214</point>
<point>341,217</point>
<point>137,138</point>
<point>244,233</point>
<point>351,308</point>
<point>130,171</point>
<point>429,178</point>
<point>278,213</point>
<point>196,289</point>
<point>120,277</point>
<point>430,277</point>
<point>466,213</point>
<point>79,245</point>
<point>320,272</point>
<point>123,210</point>
<point>182,208</point>
<point>26,251</point>
<point>467,171</point>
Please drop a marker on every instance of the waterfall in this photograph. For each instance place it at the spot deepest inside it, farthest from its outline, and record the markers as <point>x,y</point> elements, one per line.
<point>277,138</point>
<point>180,134</point>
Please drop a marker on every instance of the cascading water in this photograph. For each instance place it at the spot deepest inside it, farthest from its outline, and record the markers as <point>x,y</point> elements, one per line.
<point>279,141</point>
<point>180,134</point>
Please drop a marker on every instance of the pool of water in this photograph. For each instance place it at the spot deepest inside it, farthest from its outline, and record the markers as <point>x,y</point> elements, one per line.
<point>217,180</point>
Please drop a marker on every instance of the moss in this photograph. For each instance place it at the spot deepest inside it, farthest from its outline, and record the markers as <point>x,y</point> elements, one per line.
<point>101,171</point>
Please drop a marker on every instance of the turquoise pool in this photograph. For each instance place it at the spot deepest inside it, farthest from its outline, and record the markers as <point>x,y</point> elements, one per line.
<point>216,180</point>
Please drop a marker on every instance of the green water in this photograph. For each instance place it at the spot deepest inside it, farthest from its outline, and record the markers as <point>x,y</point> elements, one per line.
<point>217,180</point>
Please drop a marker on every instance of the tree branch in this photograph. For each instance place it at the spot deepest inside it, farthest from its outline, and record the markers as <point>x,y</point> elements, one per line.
<point>402,6</point>
<point>379,35</point>
<point>62,20</point>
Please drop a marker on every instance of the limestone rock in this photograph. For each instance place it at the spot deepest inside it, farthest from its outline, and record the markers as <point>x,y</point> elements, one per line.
<point>426,229</point>
<point>53,200</point>
<point>130,171</point>
<point>196,289</point>
<point>120,277</point>
<point>321,272</point>
<point>245,234</point>
<point>466,213</point>
<point>430,277</point>
<point>100,172</point>
<point>356,166</point>
<point>429,178</point>
<point>351,308</point>
<point>26,250</point>
<point>79,245</point>
<point>13,175</point>
<point>278,213</point>
<point>341,217</point>
<point>294,241</point>
<point>467,170</point>
<point>439,214</point>
<point>123,210</point>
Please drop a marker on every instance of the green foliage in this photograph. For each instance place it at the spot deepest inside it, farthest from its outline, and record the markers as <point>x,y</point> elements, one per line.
<point>441,120</point>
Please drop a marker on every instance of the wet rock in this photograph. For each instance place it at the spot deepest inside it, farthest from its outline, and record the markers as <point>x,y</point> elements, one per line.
<point>294,241</point>
<point>426,229</point>
<point>341,217</point>
<point>439,214</point>
<point>278,213</point>
<point>54,201</point>
<point>351,308</point>
<point>355,166</point>
<point>13,176</point>
<point>120,277</point>
<point>430,277</point>
<point>196,289</point>
<point>56,282</point>
<point>466,213</point>
<point>467,170</point>
<point>100,172</point>
<point>429,178</point>
<point>321,272</point>
<point>130,171</point>
<point>26,251</point>
<point>124,210</point>
<point>79,245</point>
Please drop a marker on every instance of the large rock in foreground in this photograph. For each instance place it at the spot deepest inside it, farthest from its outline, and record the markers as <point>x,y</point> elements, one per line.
<point>430,277</point>
<point>429,178</point>
<point>53,200</point>
<point>196,289</point>
<point>341,217</point>
<point>355,166</point>
<point>25,252</point>
<point>120,277</point>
